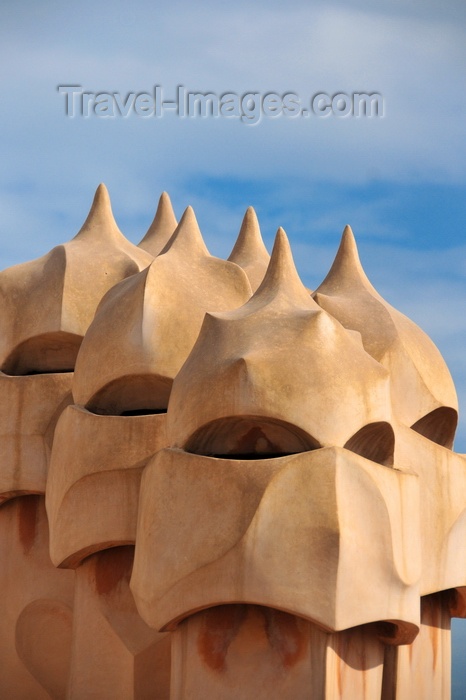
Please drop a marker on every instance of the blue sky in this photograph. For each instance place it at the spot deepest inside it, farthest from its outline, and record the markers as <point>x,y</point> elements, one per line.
<point>400,181</point>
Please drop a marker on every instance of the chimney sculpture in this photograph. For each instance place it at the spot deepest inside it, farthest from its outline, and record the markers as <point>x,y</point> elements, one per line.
<point>251,490</point>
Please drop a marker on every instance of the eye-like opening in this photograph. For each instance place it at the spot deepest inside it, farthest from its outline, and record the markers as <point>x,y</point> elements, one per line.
<point>132,395</point>
<point>439,426</point>
<point>249,437</point>
<point>375,441</point>
<point>44,354</point>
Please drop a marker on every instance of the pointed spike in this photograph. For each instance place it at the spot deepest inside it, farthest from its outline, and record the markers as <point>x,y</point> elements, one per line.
<point>282,276</point>
<point>348,244</point>
<point>346,270</point>
<point>101,205</point>
<point>249,230</point>
<point>249,251</point>
<point>165,199</point>
<point>102,194</point>
<point>348,233</point>
<point>281,260</point>
<point>161,228</point>
<point>189,215</point>
<point>100,219</point>
<point>249,245</point>
<point>187,236</point>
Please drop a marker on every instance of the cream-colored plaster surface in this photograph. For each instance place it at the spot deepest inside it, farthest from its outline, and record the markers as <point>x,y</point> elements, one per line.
<point>251,491</point>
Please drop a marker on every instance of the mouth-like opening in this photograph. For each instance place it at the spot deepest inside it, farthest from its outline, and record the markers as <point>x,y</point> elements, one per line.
<point>132,395</point>
<point>375,441</point>
<point>250,438</point>
<point>439,426</point>
<point>144,412</point>
<point>49,353</point>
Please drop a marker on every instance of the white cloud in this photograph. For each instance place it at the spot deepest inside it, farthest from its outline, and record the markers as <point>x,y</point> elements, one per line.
<point>415,63</point>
